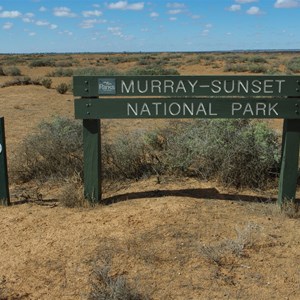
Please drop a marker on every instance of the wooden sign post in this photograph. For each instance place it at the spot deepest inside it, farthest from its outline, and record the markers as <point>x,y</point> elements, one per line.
<point>131,97</point>
<point>4,190</point>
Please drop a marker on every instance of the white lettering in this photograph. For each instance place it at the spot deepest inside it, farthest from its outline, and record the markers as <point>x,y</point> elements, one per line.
<point>235,107</point>
<point>256,86</point>
<point>216,84</point>
<point>210,110</point>
<point>180,86</point>
<point>127,89</point>
<point>156,104</point>
<point>189,109</point>
<point>267,85</point>
<point>145,109</point>
<point>134,110</point>
<point>156,84</point>
<point>139,87</point>
<point>193,85</point>
<point>272,108</point>
<point>176,105</point>
<point>225,86</point>
<point>279,84</point>
<point>169,84</point>
<point>248,109</point>
<point>261,107</point>
<point>245,87</point>
<point>201,109</point>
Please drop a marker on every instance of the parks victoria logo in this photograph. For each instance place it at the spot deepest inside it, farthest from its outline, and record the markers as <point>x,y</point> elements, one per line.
<point>107,86</point>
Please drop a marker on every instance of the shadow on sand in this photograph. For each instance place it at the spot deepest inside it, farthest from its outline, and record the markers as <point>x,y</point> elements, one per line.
<point>209,193</point>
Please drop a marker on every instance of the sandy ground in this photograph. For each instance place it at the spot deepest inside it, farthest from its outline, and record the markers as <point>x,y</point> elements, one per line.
<point>177,239</point>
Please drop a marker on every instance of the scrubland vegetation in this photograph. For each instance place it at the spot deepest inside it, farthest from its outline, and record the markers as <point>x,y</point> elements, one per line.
<point>194,249</point>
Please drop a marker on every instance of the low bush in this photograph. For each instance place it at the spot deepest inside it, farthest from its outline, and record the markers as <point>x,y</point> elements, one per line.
<point>64,63</point>
<point>19,80</point>
<point>12,71</point>
<point>46,82</point>
<point>96,71</point>
<point>294,65</point>
<point>238,153</point>
<point>62,88</point>
<point>61,72</point>
<point>42,62</point>
<point>156,70</point>
<point>108,287</point>
<point>53,151</point>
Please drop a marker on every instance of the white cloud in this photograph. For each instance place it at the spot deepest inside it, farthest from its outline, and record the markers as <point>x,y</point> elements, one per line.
<point>63,12</point>
<point>254,10</point>
<point>205,32</point>
<point>31,33</point>
<point>90,13</point>
<point>41,23</point>
<point>66,32</point>
<point>53,26</point>
<point>246,1</point>
<point>115,30</point>
<point>287,3</point>
<point>10,14</point>
<point>176,5</point>
<point>124,5</point>
<point>7,25</point>
<point>42,9</point>
<point>234,7</point>
<point>154,15</point>
<point>1,7</point>
<point>28,18</point>
<point>86,24</point>
<point>173,19</point>
<point>175,11</point>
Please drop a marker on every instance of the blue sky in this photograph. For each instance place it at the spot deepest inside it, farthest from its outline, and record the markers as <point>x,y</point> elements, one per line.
<point>28,26</point>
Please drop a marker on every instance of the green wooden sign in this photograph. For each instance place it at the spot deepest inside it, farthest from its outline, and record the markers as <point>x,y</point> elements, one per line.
<point>4,191</point>
<point>215,86</point>
<point>152,108</point>
<point>119,97</point>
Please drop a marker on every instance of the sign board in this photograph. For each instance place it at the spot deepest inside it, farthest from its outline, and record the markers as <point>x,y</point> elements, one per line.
<point>119,97</point>
<point>187,86</point>
<point>147,108</point>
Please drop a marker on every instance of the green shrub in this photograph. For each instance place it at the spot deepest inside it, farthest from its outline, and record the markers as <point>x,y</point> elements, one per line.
<point>232,67</point>
<point>64,63</point>
<point>18,80</point>
<point>54,151</point>
<point>137,71</point>
<point>43,62</point>
<point>62,88</point>
<point>236,152</point>
<point>257,59</point>
<point>107,287</point>
<point>1,71</point>
<point>294,65</point>
<point>97,71</point>
<point>240,153</point>
<point>61,72</point>
<point>258,68</point>
<point>46,82</point>
<point>12,71</point>
<point>126,157</point>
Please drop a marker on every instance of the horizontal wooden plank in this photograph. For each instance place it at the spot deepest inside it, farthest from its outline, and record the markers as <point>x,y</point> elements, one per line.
<point>178,86</point>
<point>117,108</point>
